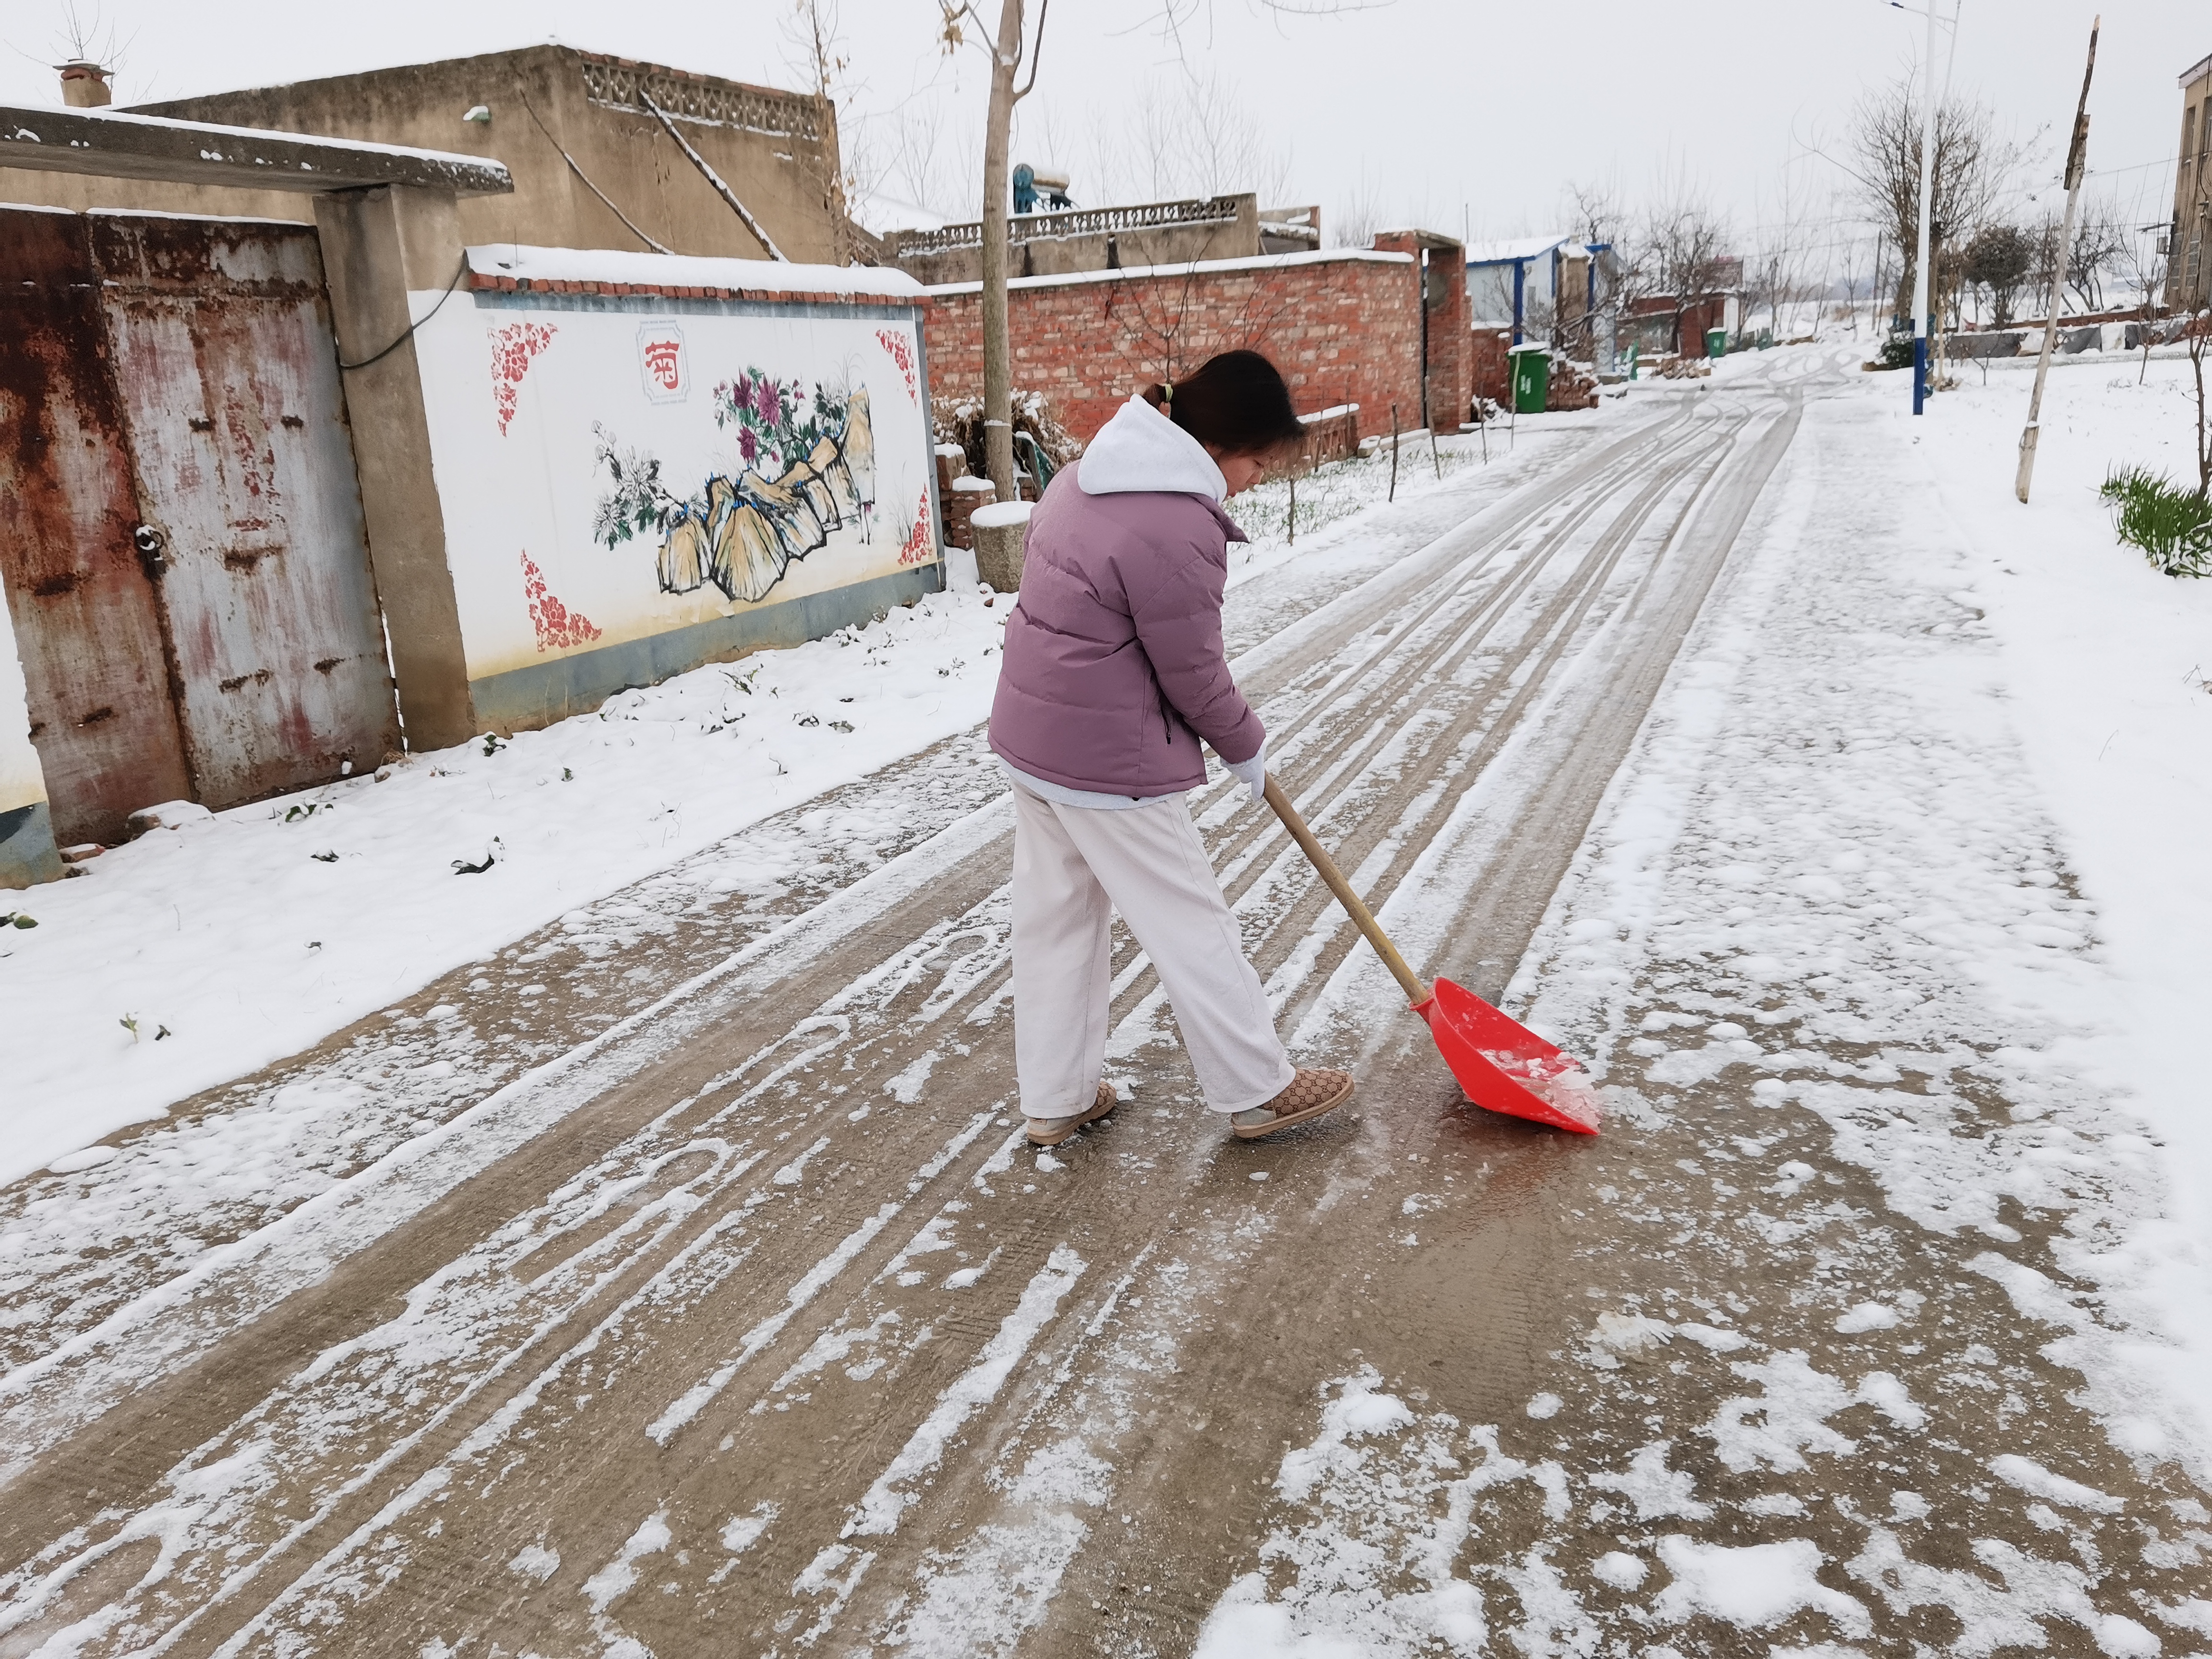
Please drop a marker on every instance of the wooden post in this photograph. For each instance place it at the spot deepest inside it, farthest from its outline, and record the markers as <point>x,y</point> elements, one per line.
<point>1292,538</point>
<point>1393,451</point>
<point>2076,156</point>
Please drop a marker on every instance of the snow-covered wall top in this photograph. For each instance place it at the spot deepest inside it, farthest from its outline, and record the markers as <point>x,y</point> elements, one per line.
<point>615,469</point>
<point>506,266</point>
<point>22,781</point>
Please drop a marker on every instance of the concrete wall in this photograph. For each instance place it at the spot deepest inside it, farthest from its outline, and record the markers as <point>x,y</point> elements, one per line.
<point>592,440</point>
<point>762,141</point>
<point>27,834</point>
<point>1343,327</point>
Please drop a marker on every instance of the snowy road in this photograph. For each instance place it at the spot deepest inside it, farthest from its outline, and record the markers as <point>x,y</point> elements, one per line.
<point>745,1323</point>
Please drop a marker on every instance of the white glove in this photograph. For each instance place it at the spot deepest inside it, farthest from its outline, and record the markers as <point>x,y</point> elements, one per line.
<point>1253,773</point>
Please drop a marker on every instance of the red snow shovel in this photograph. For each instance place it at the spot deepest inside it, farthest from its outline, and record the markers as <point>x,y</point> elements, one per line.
<point>1501,1065</point>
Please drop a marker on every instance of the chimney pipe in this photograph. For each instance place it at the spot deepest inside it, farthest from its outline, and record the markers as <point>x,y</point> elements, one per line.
<point>84,85</point>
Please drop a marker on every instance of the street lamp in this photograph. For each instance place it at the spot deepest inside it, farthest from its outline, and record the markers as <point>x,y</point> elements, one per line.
<point>1922,288</point>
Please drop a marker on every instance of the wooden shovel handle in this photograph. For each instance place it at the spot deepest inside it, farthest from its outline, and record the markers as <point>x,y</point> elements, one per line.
<point>1416,992</point>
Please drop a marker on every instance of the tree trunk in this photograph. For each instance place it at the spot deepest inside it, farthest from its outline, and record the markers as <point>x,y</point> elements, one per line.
<point>998,377</point>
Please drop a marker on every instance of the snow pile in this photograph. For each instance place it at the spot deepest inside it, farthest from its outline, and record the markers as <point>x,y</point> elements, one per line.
<point>1755,1586</point>
<point>233,941</point>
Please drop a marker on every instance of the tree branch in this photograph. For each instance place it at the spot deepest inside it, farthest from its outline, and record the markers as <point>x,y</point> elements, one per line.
<point>1036,53</point>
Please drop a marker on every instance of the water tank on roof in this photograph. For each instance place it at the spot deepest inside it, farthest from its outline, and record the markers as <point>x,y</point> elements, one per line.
<point>1038,187</point>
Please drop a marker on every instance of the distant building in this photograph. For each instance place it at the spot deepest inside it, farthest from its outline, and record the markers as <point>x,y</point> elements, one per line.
<point>2189,259</point>
<point>593,165</point>
<point>1544,285</point>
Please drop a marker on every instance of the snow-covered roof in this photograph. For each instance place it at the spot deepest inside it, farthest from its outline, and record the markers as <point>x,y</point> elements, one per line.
<point>665,270</point>
<point>879,214</point>
<point>1516,251</point>
<point>116,144</point>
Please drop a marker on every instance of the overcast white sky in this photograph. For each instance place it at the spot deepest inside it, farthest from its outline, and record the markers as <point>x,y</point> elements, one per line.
<point>1441,111</point>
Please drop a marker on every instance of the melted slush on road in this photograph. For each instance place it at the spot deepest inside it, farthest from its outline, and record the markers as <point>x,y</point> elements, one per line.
<point>747,1323</point>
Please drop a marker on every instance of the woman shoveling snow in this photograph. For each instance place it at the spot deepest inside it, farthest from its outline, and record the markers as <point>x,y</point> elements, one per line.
<point>1114,671</point>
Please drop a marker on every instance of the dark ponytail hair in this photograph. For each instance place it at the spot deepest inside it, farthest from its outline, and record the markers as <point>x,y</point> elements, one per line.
<point>1236,402</point>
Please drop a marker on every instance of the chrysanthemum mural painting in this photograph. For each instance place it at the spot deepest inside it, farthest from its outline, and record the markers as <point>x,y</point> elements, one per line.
<point>802,467</point>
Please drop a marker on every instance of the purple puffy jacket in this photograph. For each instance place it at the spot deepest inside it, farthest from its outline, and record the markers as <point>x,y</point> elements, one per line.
<point>1114,666</point>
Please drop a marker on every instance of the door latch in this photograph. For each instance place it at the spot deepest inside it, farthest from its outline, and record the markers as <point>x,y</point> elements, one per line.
<point>152,545</point>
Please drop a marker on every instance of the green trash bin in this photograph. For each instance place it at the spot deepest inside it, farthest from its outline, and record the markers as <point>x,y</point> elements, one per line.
<point>1532,378</point>
<point>1716,342</point>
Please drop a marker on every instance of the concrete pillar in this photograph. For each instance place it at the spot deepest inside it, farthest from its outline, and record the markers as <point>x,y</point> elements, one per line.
<point>1439,290</point>
<point>1002,535</point>
<point>380,246</point>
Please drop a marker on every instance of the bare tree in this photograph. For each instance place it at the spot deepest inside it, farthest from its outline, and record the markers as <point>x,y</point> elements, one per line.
<point>1599,219</point>
<point>2098,243</point>
<point>1354,220</point>
<point>1972,166</point>
<point>84,36</point>
<point>1777,270</point>
<point>2140,263</point>
<point>1006,54</point>
<point>1188,135</point>
<point>818,54</point>
<point>1681,254</point>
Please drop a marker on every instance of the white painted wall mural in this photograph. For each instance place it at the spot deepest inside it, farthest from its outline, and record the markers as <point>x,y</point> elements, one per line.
<point>613,469</point>
<point>22,783</point>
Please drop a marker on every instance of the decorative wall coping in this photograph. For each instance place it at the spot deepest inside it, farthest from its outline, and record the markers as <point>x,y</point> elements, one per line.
<point>1072,221</point>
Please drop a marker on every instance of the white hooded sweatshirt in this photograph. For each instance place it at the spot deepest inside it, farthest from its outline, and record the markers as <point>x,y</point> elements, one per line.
<point>1142,449</point>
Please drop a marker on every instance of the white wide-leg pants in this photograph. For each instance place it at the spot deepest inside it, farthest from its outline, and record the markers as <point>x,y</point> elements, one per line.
<point>1073,867</point>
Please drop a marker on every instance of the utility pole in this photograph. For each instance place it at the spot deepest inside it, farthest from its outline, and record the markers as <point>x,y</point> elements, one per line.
<point>1921,285</point>
<point>997,367</point>
<point>2077,155</point>
<point>997,357</point>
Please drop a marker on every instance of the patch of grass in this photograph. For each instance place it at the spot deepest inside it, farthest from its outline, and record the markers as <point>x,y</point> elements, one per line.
<point>2171,524</point>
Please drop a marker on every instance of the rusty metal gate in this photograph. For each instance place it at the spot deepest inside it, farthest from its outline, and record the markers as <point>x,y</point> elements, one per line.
<point>180,523</point>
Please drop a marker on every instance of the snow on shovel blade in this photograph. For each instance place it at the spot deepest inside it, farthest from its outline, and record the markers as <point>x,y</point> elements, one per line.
<point>1504,1066</point>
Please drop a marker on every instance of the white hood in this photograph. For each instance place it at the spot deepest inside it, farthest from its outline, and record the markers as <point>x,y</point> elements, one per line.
<point>1142,449</point>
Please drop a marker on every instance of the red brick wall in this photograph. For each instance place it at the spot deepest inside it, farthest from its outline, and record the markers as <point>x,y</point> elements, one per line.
<point>1341,329</point>
<point>1492,375</point>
